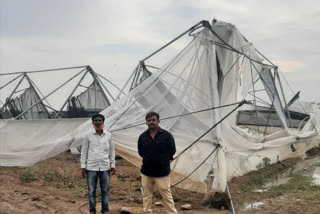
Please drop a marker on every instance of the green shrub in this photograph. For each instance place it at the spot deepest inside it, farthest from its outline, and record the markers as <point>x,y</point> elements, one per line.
<point>26,176</point>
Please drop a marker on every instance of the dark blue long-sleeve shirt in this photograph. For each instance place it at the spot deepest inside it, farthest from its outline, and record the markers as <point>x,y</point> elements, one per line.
<point>156,153</point>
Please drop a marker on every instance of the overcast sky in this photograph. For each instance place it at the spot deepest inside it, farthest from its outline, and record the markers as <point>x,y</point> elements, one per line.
<point>113,35</point>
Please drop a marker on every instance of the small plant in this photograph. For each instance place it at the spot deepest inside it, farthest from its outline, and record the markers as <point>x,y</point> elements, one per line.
<point>27,176</point>
<point>52,177</point>
<point>265,162</point>
<point>299,185</point>
<point>315,151</point>
<point>257,179</point>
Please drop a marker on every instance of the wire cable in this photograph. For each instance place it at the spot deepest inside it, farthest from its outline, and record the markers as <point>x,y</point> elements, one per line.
<point>180,115</point>
<point>218,146</point>
<point>215,125</point>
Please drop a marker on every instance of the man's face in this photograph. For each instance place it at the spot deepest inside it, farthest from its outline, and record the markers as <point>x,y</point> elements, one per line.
<point>152,122</point>
<point>97,122</point>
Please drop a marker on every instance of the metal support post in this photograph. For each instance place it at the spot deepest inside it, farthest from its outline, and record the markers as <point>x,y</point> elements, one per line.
<point>14,90</point>
<point>50,93</point>
<point>85,73</point>
<point>94,76</point>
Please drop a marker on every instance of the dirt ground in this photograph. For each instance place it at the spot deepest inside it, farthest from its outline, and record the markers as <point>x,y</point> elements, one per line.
<point>56,186</point>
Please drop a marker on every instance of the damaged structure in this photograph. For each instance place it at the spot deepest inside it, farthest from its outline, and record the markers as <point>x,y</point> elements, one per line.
<point>223,101</point>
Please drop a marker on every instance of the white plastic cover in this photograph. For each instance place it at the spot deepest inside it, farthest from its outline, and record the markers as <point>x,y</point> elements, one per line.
<point>25,142</point>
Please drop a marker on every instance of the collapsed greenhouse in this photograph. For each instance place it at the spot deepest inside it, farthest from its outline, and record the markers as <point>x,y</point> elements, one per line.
<point>223,101</point>
<point>32,104</point>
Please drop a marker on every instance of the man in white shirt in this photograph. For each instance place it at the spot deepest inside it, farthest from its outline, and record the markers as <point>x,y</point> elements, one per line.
<point>98,160</point>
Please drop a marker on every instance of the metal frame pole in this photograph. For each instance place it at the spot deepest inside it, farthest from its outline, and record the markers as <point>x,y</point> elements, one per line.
<point>178,37</point>
<point>38,71</point>
<point>125,85</point>
<point>85,73</point>
<point>35,86</point>
<point>264,84</point>
<point>207,25</point>
<point>135,74</point>
<point>105,88</point>
<point>45,110</point>
<point>276,74</point>
<point>50,93</point>
<point>10,81</point>
<point>229,194</point>
<point>109,82</point>
<point>140,95</point>
<point>14,90</point>
<point>254,95</point>
<point>94,76</point>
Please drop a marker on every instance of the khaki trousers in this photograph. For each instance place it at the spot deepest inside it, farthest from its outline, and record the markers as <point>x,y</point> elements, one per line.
<point>163,186</point>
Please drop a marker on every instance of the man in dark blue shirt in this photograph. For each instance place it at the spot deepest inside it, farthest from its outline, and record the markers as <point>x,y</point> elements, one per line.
<point>156,146</point>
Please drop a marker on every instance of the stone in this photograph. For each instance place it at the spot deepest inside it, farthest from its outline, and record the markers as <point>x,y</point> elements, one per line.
<point>219,200</point>
<point>158,204</point>
<point>186,207</point>
<point>125,210</point>
<point>139,201</point>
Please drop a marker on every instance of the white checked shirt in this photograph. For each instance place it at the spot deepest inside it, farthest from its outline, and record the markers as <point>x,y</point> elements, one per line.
<point>97,152</point>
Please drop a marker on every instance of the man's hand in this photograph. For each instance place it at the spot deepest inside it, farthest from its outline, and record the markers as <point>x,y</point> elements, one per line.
<point>83,172</point>
<point>113,171</point>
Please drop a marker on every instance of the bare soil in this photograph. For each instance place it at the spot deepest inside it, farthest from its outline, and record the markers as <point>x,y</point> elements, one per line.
<point>56,186</point>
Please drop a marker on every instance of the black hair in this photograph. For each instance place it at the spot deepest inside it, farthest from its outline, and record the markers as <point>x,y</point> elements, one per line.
<point>152,113</point>
<point>97,115</point>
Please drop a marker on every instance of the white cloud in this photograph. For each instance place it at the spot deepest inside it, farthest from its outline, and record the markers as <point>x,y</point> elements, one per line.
<point>289,65</point>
